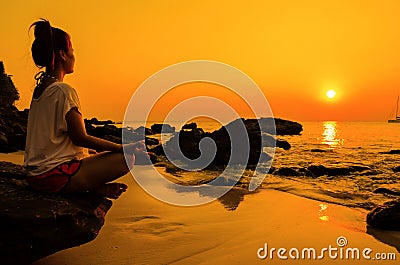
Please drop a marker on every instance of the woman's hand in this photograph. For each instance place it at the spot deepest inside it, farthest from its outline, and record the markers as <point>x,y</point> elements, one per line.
<point>92,151</point>
<point>136,148</point>
<point>139,150</point>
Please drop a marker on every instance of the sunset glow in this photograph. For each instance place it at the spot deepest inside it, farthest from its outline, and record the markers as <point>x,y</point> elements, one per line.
<point>291,49</point>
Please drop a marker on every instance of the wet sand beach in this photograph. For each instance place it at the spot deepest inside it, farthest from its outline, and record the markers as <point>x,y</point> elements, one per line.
<point>140,229</point>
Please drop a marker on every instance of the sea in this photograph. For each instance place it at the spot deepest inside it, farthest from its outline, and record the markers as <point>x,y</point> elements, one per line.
<point>369,146</point>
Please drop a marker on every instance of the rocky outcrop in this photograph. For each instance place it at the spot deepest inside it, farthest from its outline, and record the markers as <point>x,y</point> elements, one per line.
<point>260,133</point>
<point>34,225</point>
<point>8,93</point>
<point>386,216</point>
<point>12,129</point>
<point>282,127</point>
<point>12,121</point>
<point>162,128</point>
<point>95,121</point>
<point>143,130</point>
<point>112,133</point>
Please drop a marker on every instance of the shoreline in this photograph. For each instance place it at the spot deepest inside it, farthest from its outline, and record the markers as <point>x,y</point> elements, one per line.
<point>142,230</point>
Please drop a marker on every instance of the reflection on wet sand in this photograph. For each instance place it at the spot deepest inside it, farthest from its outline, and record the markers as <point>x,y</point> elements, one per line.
<point>232,198</point>
<point>391,238</point>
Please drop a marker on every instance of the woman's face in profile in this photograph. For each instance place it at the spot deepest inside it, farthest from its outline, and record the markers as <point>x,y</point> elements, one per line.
<point>69,60</point>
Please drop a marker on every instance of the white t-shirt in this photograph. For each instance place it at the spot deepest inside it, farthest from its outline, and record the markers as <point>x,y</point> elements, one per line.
<point>47,141</point>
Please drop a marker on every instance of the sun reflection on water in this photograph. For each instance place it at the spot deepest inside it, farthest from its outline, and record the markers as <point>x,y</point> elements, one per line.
<point>330,134</point>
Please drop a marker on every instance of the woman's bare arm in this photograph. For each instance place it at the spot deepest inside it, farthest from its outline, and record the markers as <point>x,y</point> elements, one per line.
<point>78,135</point>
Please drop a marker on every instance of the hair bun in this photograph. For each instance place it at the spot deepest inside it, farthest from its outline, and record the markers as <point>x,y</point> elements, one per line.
<point>47,44</point>
<point>42,30</point>
<point>42,46</point>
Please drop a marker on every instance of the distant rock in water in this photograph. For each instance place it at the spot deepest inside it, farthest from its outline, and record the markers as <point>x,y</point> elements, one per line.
<point>386,191</point>
<point>287,171</point>
<point>285,127</point>
<point>34,225</point>
<point>266,125</point>
<point>386,216</point>
<point>321,170</point>
<point>317,150</point>
<point>283,144</point>
<point>391,152</point>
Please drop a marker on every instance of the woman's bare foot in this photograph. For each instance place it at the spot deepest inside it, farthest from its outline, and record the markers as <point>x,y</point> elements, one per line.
<point>111,190</point>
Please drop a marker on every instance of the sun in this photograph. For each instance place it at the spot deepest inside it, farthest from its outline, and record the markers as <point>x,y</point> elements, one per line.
<point>331,93</point>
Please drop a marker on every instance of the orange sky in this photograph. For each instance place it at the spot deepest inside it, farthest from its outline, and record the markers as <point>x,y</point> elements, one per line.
<point>294,50</point>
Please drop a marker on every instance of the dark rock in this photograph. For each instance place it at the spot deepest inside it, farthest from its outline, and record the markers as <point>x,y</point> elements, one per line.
<point>287,171</point>
<point>11,170</point>
<point>158,150</point>
<point>101,131</point>
<point>282,127</point>
<point>12,129</point>
<point>162,128</point>
<point>386,216</point>
<point>153,158</point>
<point>260,133</point>
<point>17,141</point>
<point>391,152</point>
<point>131,135</point>
<point>114,134</point>
<point>34,225</point>
<point>283,144</point>
<point>317,150</point>
<point>339,171</point>
<point>144,131</point>
<point>271,170</point>
<point>386,191</point>
<point>317,170</point>
<point>358,168</point>
<point>321,170</point>
<point>190,126</point>
<point>189,143</point>
<point>152,141</point>
<point>3,139</point>
<point>95,121</point>
<point>8,149</point>
<point>8,93</point>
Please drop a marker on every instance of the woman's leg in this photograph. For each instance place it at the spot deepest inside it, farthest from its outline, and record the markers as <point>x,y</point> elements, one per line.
<point>97,170</point>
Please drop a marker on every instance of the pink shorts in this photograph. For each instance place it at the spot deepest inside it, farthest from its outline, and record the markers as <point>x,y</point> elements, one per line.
<point>56,179</point>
